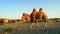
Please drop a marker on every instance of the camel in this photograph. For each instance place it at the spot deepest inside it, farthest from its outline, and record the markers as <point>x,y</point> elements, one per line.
<point>31,18</point>
<point>34,16</point>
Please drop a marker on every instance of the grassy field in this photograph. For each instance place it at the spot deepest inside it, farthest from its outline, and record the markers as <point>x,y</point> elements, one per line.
<point>24,28</point>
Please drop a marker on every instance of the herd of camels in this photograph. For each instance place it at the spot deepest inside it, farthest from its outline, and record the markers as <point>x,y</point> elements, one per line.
<point>34,16</point>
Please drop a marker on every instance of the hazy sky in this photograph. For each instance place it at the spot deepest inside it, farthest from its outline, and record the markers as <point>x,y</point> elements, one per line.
<point>15,8</point>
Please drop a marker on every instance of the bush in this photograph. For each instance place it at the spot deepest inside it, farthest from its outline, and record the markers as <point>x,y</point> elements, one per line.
<point>10,29</point>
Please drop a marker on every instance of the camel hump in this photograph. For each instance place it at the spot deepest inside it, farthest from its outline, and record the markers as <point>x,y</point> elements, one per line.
<point>45,15</point>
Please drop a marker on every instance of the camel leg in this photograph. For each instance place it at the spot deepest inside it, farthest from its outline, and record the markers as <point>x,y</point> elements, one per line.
<point>37,24</point>
<point>45,23</point>
<point>31,25</point>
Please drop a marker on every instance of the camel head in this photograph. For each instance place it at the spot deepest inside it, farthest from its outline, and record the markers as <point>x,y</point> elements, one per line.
<point>26,17</point>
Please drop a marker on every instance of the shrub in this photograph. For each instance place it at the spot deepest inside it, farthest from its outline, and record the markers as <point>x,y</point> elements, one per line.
<point>10,29</point>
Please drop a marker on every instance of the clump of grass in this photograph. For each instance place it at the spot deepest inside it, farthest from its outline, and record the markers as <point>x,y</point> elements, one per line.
<point>1,32</point>
<point>40,20</point>
<point>6,33</point>
<point>0,24</point>
<point>10,29</point>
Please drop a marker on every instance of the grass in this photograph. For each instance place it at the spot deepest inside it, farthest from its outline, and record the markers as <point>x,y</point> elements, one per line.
<point>22,26</point>
<point>39,31</point>
<point>10,29</point>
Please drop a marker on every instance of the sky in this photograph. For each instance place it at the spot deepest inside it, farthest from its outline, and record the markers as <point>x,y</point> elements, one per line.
<point>13,9</point>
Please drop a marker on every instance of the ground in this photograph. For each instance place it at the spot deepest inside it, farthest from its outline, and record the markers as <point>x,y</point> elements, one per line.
<point>24,28</point>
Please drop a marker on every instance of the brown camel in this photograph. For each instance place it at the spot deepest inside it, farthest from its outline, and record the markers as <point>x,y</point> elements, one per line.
<point>34,16</point>
<point>31,18</point>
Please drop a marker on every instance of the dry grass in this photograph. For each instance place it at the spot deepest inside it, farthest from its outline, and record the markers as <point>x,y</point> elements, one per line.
<point>53,27</point>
